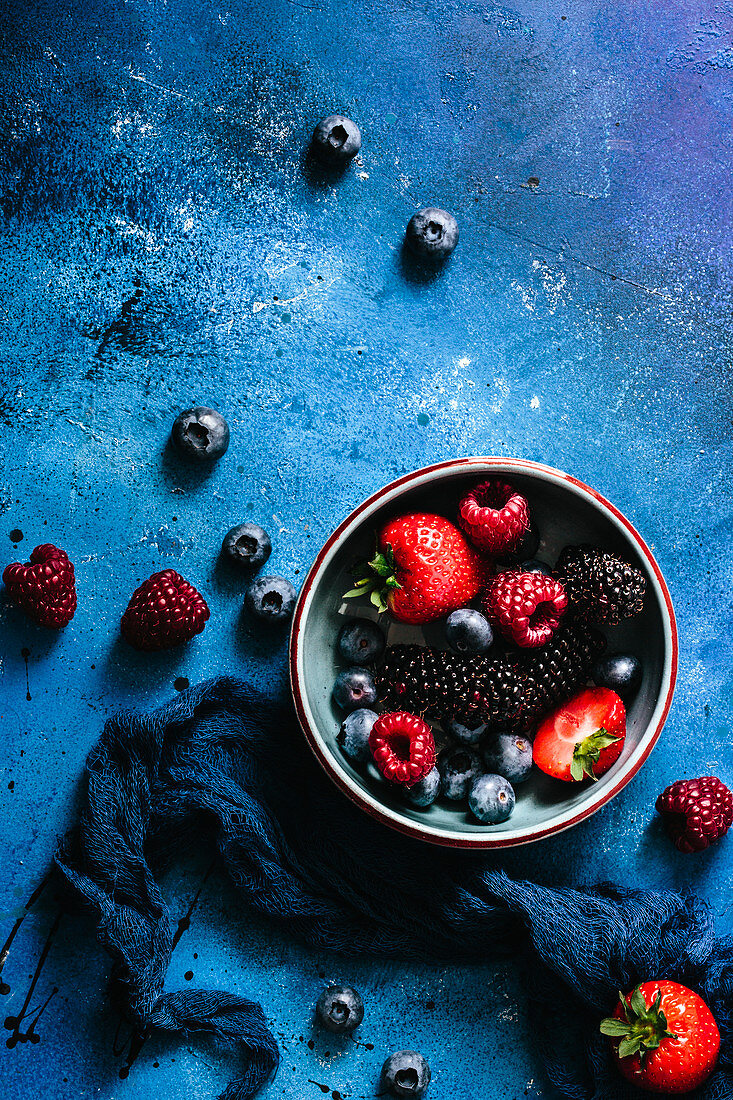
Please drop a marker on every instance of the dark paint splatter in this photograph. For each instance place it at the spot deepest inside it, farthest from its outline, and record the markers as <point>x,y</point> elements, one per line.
<point>188,975</point>
<point>323,1088</point>
<point>136,1045</point>
<point>16,535</point>
<point>181,683</point>
<point>4,987</point>
<point>25,654</point>
<point>13,1023</point>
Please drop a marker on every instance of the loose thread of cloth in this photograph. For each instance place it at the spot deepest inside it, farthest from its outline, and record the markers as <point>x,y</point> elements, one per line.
<point>224,756</point>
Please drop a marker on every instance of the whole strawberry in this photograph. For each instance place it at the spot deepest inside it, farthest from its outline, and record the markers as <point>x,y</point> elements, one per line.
<point>44,587</point>
<point>164,611</point>
<point>696,812</point>
<point>494,516</point>
<point>526,607</point>
<point>403,747</point>
<point>423,569</point>
<point>664,1037</point>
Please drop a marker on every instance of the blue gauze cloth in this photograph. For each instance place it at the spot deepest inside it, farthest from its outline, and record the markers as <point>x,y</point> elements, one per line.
<point>300,852</point>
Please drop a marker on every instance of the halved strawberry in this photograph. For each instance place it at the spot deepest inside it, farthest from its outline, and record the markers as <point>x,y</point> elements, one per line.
<point>583,737</point>
<point>423,569</point>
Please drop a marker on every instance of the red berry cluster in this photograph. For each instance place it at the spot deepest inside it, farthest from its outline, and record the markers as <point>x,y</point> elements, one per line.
<point>44,587</point>
<point>164,611</point>
<point>696,812</point>
<point>403,747</point>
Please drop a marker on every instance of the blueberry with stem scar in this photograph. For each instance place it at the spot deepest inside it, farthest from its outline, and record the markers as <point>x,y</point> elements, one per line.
<point>201,434</point>
<point>432,234</point>
<point>336,140</point>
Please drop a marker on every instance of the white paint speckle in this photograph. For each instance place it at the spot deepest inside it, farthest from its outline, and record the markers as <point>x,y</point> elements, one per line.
<point>534,403</point>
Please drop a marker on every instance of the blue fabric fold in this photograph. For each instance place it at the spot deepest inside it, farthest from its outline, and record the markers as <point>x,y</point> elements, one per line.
<point>223,755</point>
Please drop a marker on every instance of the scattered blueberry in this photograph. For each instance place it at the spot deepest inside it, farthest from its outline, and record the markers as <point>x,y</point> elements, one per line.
<point>247,545</point>
<point>432,234</point>
<point>353,737</point>
<point>361,642</point>
<point>340,1008</point>
<point>405,1073</point>
<point>271,599</point>
<point>425,791</point>
<point>535,566</point>
<point>458,768</point>
<point>621,672</point>
<point>510,755</point>
<point>354,688</point>
<point>464,735</point>
<point>491,799</point>
<point>201,434</point>
<point>336,139</point>
<point>468,631</point>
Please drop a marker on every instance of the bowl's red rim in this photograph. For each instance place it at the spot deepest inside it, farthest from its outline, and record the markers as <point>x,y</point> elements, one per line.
<point>417,831</point>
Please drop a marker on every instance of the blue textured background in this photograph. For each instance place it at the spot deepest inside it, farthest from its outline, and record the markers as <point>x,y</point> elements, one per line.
<point>164,244</point>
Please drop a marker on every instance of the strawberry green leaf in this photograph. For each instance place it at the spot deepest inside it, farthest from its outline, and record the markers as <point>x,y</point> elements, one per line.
<point>376,579</point>
<point>587,752</point>
<point>628,1046</point>
<point>638,1004</point>
<point>378,600</point>
<point>612,1026</point>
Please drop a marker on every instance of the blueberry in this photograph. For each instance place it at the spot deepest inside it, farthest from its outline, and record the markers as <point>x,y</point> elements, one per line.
<point>247,545</point>
<point>425,791</point>
<point>361,642</point>
<point>432,234</point>
<point>340,1008</point>
<point>535,566</point>
<point>271,599</point>
<point>468,631</point>
<point>353,737</point>
<point>464,735</point>
<point>201,434</point>
<point>621,672</point>
<point>510,755</point>
<point>491,799</point>
<point>458,768</point>
<point>336,139</point>
<point>405,1073</point>
<point>354,688</point>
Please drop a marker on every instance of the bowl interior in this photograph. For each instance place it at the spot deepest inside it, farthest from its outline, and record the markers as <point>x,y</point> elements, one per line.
<point>564,514</point>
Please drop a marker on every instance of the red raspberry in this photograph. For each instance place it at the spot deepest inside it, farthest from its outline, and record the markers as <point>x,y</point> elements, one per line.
<point>44,587</point>
<point>527,607</point>
<point>494,516</point>
<point>403,747</point>
<point>164,611</point>
<point>696,812</point>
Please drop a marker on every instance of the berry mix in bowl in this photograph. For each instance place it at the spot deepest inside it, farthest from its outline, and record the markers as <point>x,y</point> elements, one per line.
<point>483,653</point>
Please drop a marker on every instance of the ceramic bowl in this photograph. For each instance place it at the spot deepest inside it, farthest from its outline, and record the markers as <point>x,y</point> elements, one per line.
<point>565,512</point>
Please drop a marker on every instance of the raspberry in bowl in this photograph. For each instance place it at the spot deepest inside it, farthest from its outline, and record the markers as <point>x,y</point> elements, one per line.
<point>590,600</point>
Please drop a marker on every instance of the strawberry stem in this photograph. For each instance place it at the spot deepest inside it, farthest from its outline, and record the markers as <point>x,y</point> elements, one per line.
<point>587,753</point>
<point>375,579</point>
<point>643,1029</point>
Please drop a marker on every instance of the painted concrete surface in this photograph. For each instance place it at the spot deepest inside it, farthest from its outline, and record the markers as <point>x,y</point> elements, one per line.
<point>164,244</point>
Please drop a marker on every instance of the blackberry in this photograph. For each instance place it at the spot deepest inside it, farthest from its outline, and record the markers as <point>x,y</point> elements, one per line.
<point>601,587</point>
<point>555,671</point>
<point>437,684</point>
